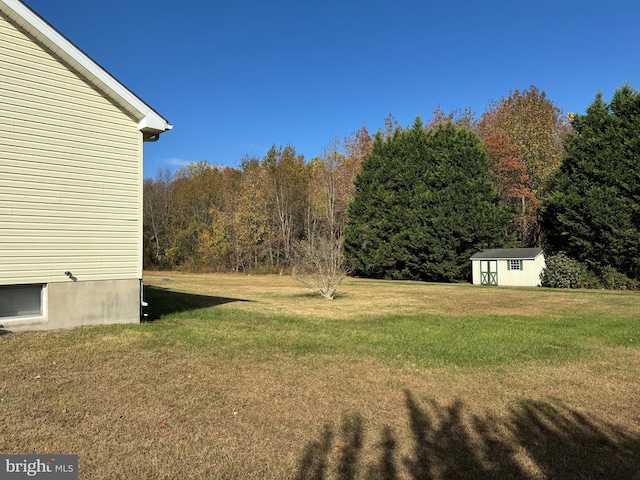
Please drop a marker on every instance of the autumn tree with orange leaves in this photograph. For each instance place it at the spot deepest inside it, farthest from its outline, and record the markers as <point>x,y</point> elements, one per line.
<point>524,135</point>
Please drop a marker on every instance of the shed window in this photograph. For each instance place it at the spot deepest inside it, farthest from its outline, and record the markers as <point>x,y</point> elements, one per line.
<point>22,301</point>
<point>514,265</point>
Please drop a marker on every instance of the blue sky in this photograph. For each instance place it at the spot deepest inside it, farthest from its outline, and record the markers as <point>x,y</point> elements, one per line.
<point>235,77</point>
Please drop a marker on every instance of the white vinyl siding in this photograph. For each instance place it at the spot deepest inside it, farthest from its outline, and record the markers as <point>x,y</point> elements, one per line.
<point>70,173</point>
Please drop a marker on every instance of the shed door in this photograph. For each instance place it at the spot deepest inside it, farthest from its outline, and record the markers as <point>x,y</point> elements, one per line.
<point>488,272</point>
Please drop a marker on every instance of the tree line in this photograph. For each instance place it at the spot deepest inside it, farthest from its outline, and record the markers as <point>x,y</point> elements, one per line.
<point>255,218</point>
<point>416,202</point>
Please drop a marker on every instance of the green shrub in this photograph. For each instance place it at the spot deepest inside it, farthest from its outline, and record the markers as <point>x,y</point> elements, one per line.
<point>563,272</point>
<point>591,280</point>
<point>611,279</point>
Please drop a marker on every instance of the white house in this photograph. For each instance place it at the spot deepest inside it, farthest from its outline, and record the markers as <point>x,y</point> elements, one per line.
<point>71,179</point>
<point>508,267</point>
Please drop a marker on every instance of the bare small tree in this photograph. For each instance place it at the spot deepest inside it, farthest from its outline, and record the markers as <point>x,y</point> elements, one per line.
<point>319,260</point>
<point>319,265</point>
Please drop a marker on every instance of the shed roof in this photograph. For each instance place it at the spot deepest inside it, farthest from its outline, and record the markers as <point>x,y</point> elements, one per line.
<point>150,123</point>
<point>507,253</point>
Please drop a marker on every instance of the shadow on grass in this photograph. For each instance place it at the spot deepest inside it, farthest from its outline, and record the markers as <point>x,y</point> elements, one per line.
<point>163,301</point>
<point>535,440</point>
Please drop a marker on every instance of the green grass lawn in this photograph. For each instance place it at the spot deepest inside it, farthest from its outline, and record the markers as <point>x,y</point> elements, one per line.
<point>252,377</point>
<point>427,340</point>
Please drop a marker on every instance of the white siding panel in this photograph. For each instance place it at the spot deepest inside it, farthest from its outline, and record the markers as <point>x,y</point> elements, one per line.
<point>66,198</point>
<point>33,225</point>
<point>88,214</point>
<point>70,173</point>
<point>55,114</point>
<point>63,184</point>
<point>45,166</point>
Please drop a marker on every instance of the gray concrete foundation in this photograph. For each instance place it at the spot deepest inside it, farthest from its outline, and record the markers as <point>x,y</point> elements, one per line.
<point>71,304</point>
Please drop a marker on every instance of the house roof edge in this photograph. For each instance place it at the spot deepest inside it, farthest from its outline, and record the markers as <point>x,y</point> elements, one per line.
<point>149,121</point>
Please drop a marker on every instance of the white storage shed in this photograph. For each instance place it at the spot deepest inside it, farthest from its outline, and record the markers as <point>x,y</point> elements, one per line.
<point>519,267</point>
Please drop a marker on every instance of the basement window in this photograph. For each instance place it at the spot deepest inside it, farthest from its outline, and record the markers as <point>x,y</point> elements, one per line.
<point>19,302</point>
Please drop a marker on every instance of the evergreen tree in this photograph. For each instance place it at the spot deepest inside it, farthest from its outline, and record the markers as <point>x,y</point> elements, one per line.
<point>593,213</point>
<point>424,204</point>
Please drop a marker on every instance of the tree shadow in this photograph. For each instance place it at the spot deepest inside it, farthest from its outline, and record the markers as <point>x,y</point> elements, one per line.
<point>568,444</point>
<point>534,440</point>
<point>314,462</point>
<point>163,301</point>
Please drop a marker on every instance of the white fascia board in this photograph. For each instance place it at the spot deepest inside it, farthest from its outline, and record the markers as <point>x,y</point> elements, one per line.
<point>149,121</point>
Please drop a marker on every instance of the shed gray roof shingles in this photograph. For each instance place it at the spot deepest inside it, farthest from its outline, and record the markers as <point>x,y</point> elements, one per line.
<point>507,253</point>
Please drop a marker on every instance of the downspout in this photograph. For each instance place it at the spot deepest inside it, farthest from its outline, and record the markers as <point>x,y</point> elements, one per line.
<point>143,314</point>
